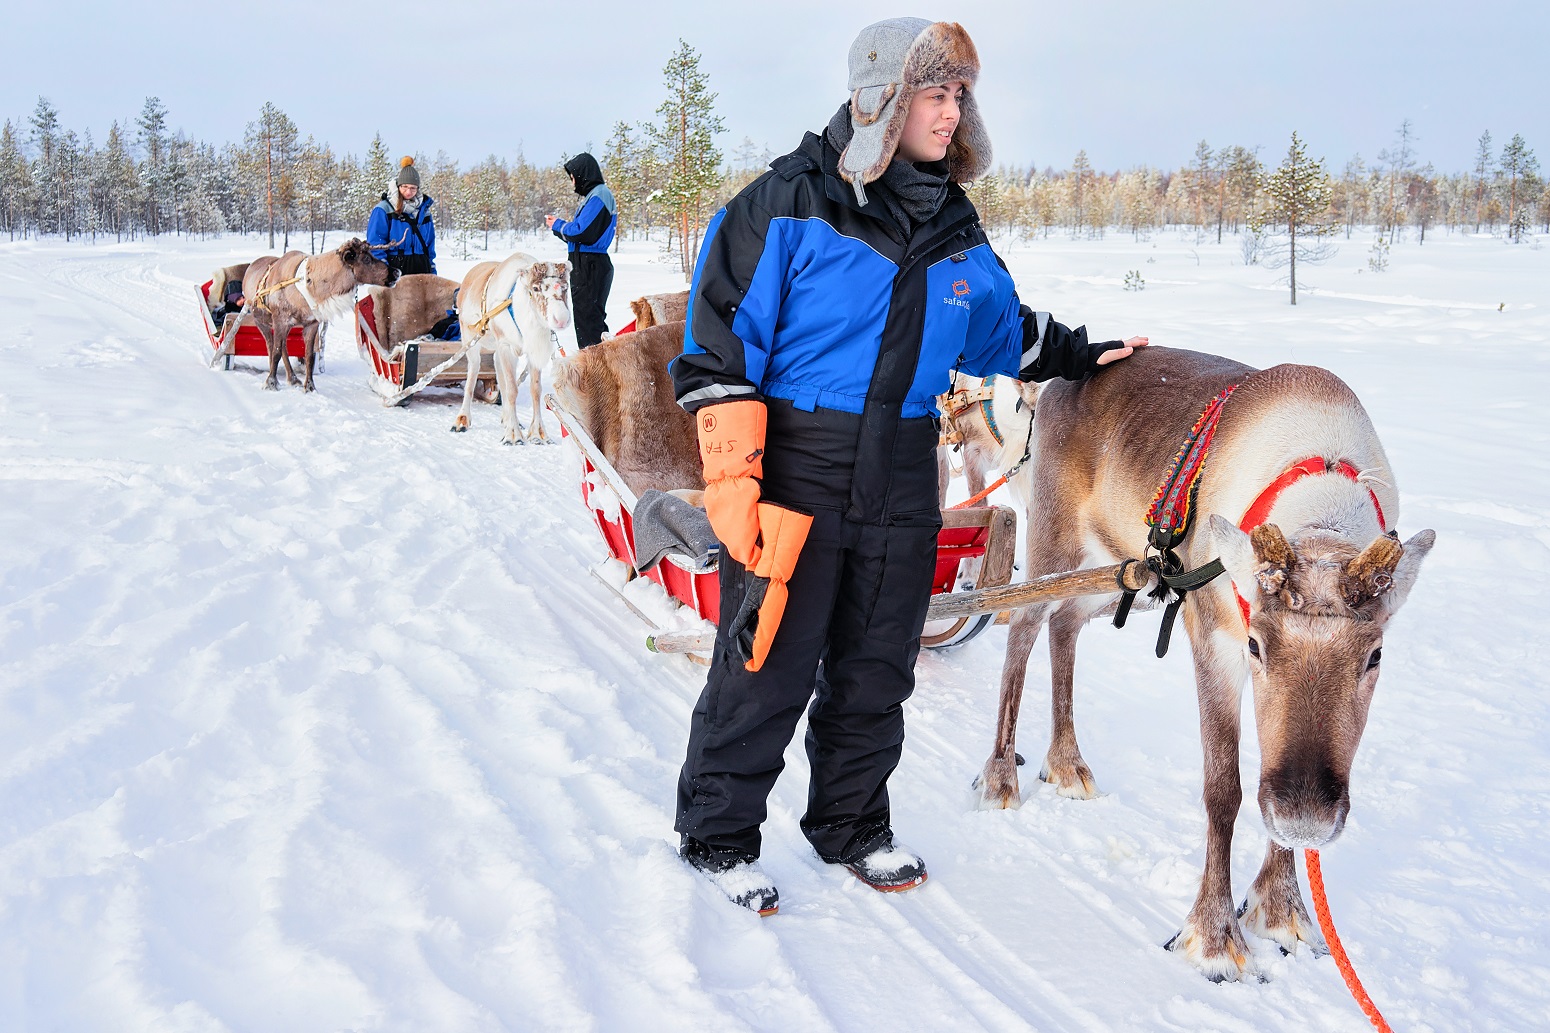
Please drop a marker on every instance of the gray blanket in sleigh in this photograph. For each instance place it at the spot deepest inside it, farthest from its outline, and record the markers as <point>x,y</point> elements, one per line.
<point>667,524</point>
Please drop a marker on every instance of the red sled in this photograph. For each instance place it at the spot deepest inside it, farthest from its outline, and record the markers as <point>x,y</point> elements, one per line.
<point>404,359</point>
<point>238,335</point>
<point>984,536</point>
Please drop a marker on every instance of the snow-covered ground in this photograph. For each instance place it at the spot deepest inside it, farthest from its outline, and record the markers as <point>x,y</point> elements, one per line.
<point>311,717</point>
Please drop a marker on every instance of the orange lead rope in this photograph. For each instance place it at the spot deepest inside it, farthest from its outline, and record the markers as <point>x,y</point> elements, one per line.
<point>1327,923</point>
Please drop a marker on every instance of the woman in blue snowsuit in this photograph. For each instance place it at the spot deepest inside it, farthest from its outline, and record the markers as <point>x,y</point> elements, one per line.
<point>831,300</point>
<point>402,218</point>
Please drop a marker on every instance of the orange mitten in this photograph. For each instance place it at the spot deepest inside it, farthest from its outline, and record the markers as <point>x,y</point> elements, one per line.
<point>731,447</point>
<point>784,532</point>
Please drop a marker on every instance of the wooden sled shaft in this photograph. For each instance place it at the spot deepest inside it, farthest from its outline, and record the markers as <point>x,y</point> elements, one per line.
<point>1048,589</point>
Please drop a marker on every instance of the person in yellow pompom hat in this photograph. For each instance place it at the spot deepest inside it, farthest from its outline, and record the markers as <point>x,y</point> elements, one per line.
<point>831,301</point>
<point>400,225</point>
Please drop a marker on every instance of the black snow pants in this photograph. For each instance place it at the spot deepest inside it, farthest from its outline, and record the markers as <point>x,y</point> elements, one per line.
<point>592,275</point>
<point>848,643</point>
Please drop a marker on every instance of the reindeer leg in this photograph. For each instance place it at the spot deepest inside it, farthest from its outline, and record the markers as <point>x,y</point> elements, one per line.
<point>505,371</point>
<point>1063,763</point>
<point>1211,939</point>
<point>266,328</point>
<point>282,334</point>
<point>534,377</point>
<point>997,783</point>
<point>473,359</point>
<point>309,333</point>
<point>1274,908</point>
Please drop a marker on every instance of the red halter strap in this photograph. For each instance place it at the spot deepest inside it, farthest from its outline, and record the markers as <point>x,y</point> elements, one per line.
<point>1260,508</point>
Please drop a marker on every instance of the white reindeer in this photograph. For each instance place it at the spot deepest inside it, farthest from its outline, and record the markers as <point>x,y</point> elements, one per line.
<point>514,309</point>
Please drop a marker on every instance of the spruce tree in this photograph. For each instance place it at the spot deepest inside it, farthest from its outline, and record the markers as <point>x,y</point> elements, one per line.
<point>1482,166</point>
<point>1297,204</point>
<point>685,138</point>
<point>1518,162</point>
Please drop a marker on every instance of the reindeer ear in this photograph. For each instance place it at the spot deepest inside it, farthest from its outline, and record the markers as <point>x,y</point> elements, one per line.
<point>1236,552</point>
<point>1406,570</point>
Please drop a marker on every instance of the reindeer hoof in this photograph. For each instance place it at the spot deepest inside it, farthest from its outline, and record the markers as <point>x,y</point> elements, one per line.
<point>458,428</point>
<point>307,389</point>
<point>1222,957</point>
<point>997,785</point>
<point>1072,780</point>
<point>1283,922</point>
<point>271,385</point>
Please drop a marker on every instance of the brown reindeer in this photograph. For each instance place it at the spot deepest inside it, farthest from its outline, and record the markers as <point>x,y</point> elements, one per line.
<point>1318,579</point>
<point>298,290</point>
<point>622,395</point>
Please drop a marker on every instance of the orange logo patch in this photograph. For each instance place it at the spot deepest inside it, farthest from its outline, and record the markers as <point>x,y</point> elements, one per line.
<point>960,287</point>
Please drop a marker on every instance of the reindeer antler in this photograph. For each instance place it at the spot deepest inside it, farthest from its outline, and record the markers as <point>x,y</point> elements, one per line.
<point>394,244</point>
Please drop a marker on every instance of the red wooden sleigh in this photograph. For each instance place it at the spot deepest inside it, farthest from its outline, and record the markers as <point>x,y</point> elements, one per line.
<point>410,362</point>
<point>239,336</point>
<point>987,535</point>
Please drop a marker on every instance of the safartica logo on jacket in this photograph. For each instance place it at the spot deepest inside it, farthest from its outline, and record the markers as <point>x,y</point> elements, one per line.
<point>960,296</point>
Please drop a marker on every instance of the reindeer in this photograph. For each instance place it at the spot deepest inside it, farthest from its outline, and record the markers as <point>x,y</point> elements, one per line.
<point>1308,589</point>
<point>514,308</point>
<point>298,290</point>
<point>658,309</point>
<point>621,394</point>
<point>989,424</point>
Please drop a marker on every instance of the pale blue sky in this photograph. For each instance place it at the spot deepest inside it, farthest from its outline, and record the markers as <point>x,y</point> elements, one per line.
<point>1132,83</point>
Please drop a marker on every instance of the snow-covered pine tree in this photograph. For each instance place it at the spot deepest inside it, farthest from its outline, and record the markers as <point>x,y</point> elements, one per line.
<point>271,142</point>
<point>15,183</point>
<point>487,195</point>
<point>624,167</point>
<point>1078,187</point>
<point>375,172</point>
<point>1296,209</point>
<point>1482,168</point>
<point>1518,163</point>
<point>685,138</point>
<point>153,144</point>
<point>1399,159</point>
<point>1200,186</point>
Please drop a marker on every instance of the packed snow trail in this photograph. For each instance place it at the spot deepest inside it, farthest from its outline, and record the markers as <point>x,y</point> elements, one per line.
<point>311,717</point>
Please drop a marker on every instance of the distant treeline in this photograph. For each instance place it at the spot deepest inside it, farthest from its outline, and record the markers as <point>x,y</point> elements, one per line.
<point>145,180</point>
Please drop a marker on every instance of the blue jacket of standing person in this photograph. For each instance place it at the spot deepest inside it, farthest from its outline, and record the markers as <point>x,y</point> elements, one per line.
<point>405,222</point>
<point>592,229</point>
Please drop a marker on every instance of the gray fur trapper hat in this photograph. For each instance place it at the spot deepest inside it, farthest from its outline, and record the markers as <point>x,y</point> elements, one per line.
<point>889,62</point>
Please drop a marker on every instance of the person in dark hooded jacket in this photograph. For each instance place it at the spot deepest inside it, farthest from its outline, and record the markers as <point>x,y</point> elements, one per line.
<point>587,236</point>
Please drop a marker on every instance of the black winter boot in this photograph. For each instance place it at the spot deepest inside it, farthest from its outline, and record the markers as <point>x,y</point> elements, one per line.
<point>886,866</point>
<point>735,873</point>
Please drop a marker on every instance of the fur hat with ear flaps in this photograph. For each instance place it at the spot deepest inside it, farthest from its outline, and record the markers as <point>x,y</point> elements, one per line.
<point>889,62</point>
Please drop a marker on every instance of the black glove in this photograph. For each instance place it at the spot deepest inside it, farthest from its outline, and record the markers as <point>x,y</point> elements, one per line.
<point>740,633</point>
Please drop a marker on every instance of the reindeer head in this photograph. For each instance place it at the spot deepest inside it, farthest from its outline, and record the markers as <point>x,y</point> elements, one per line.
<point>548,284</point>
<point>1317,611</point>
<point>366,267</point>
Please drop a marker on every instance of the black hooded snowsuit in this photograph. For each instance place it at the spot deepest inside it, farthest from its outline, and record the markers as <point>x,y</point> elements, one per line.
<point>587,237</point>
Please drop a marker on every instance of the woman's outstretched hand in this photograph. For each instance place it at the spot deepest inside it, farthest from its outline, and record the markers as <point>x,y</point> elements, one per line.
<point>1115,354</point>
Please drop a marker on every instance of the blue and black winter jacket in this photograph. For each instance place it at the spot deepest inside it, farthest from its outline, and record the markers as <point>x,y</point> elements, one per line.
<point>418,231</point>
<point>800,294</point>
<point>592,230</point>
